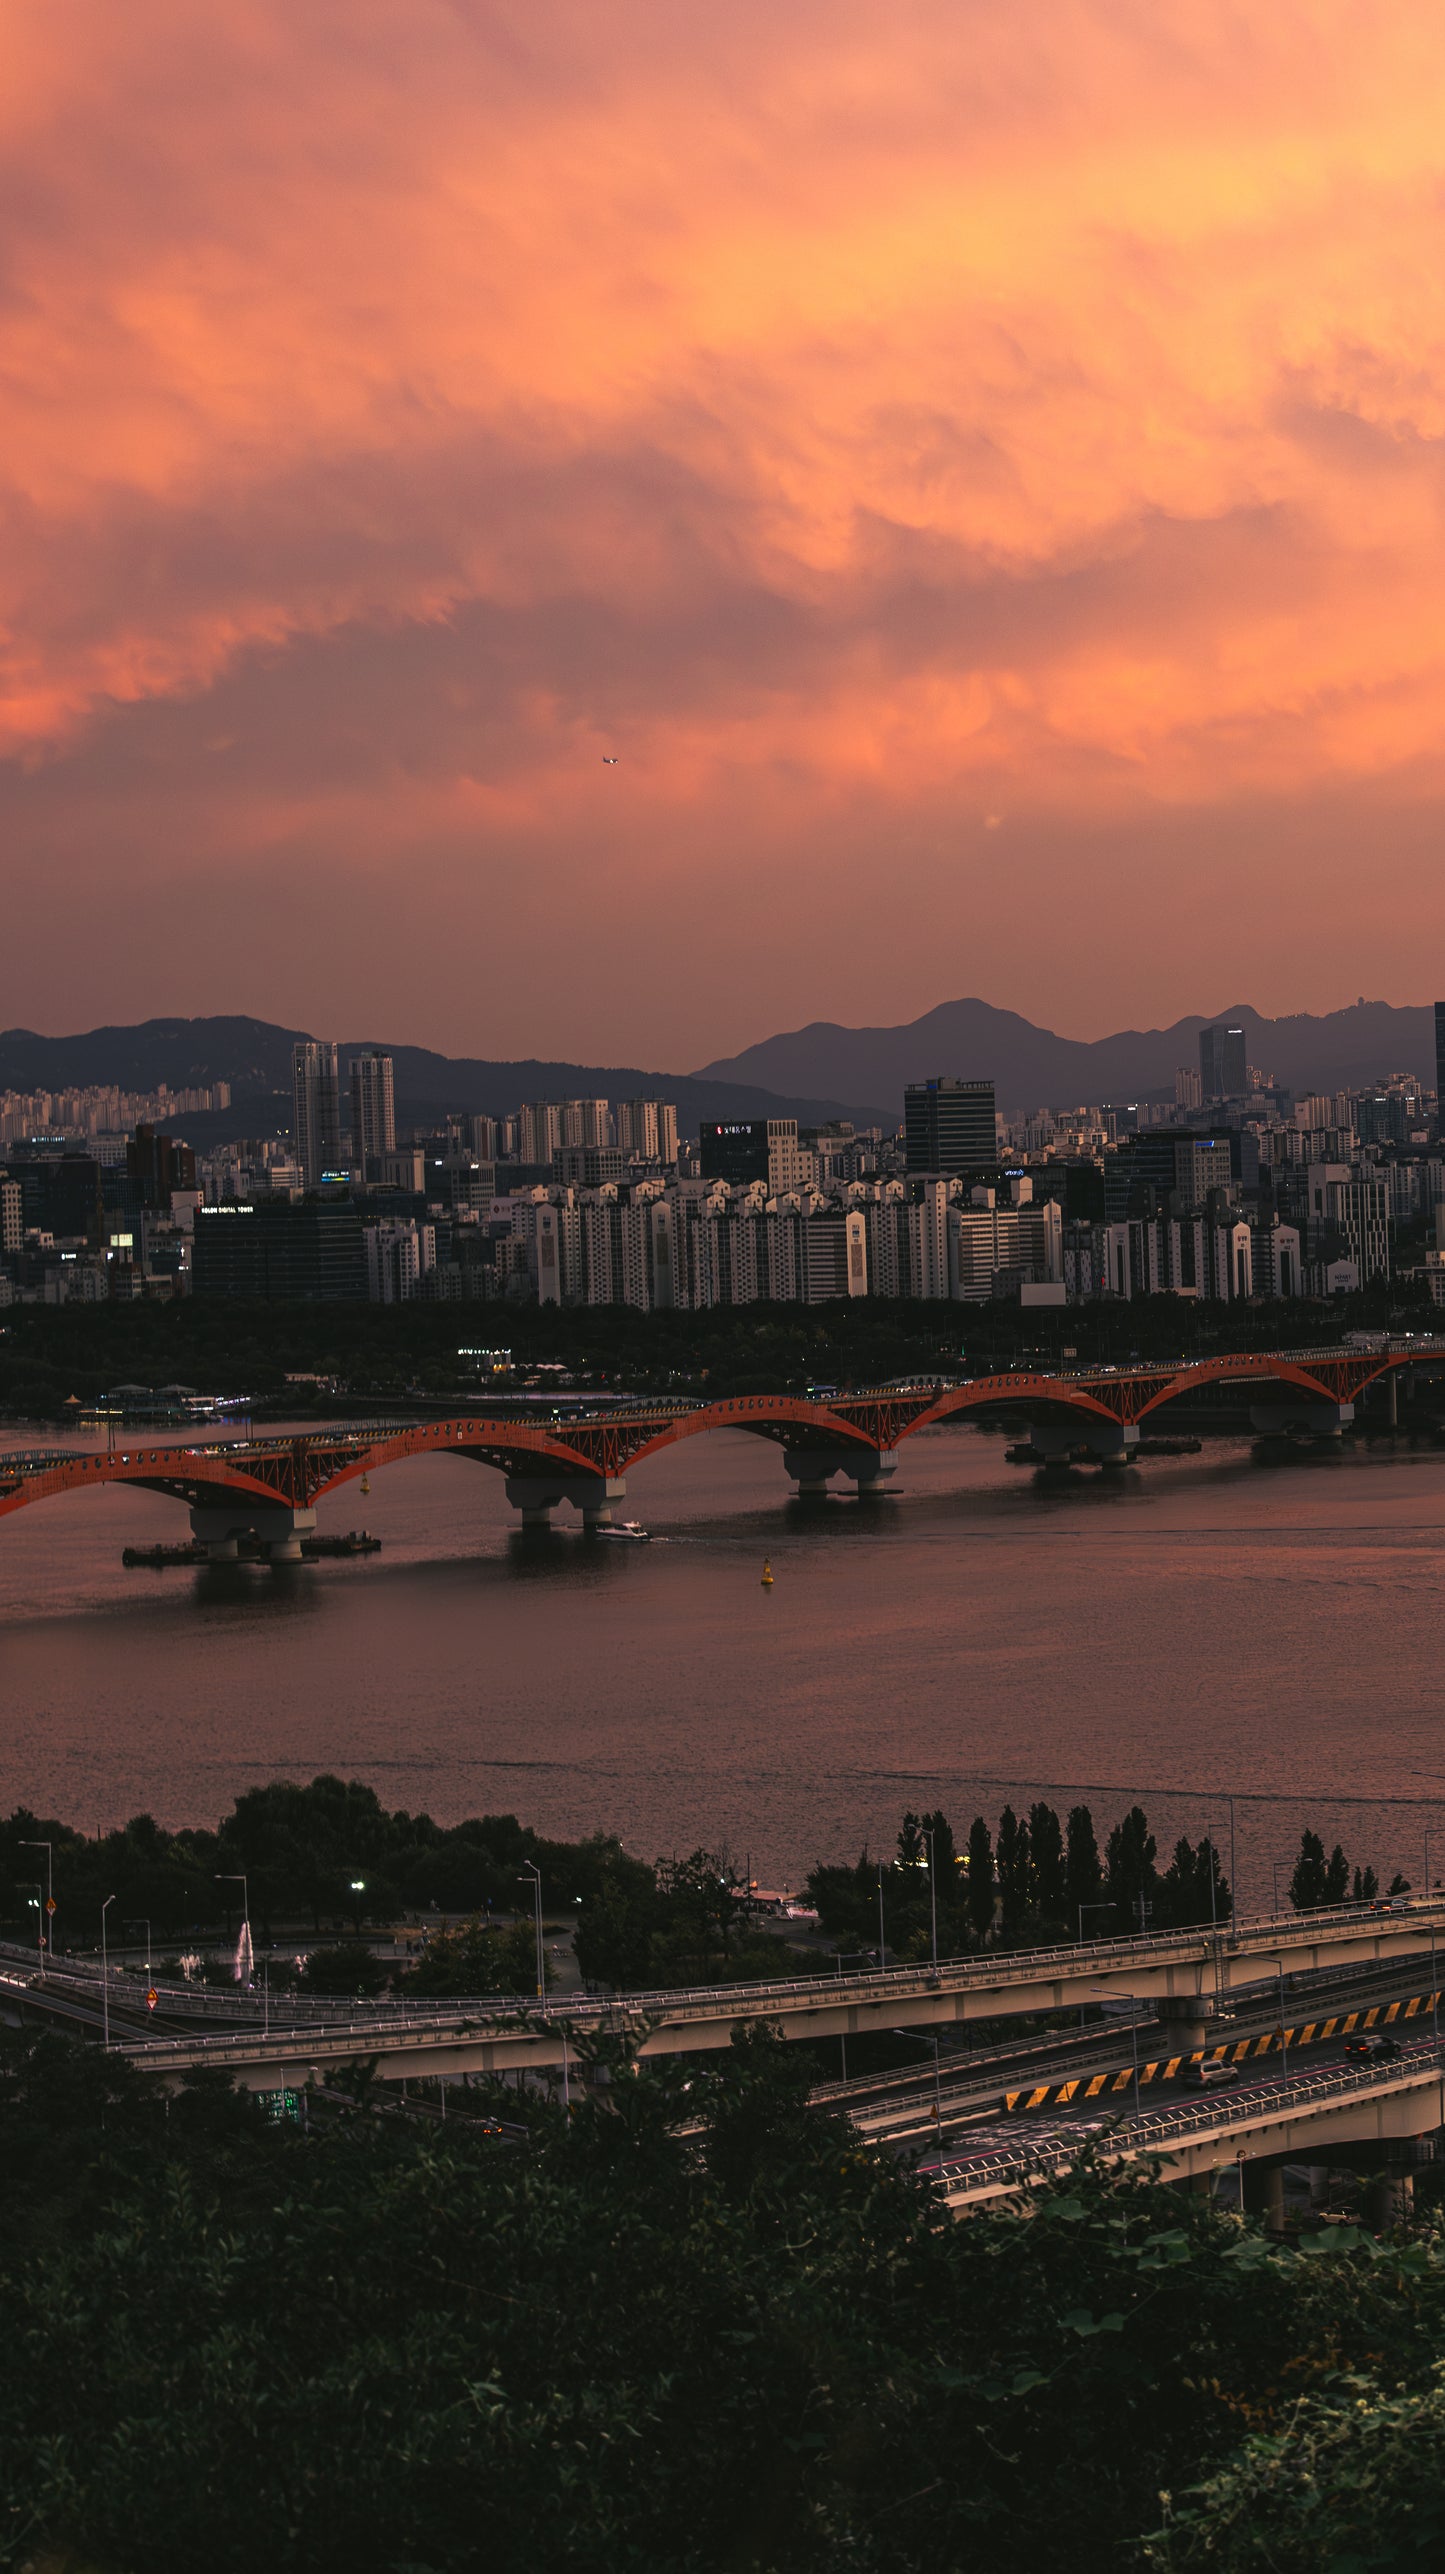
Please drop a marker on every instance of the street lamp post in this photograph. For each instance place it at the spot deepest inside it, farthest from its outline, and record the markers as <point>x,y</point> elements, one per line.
<point>104,1976</point>
<point>882,1951</point>
<point>1278,1964</point>
<point>47,1936</point>
<point>1134,2038</point>
<point>358,1887</point>
<point>535,1873</point>
<point>929,2038</point>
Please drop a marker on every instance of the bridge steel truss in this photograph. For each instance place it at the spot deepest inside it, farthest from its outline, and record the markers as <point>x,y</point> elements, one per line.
<point>859,1433</point>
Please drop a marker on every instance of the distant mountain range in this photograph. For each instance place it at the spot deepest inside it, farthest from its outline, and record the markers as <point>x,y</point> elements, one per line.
<point>254,1056</point>
<point>814,1074</point>
<point>1032,1068</point>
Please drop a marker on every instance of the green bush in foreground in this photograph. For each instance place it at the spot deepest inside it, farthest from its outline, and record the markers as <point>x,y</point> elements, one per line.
<point>699,2328</point>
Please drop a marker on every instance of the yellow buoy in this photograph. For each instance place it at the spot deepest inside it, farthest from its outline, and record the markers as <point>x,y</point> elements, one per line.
<point>767,1575</point>
<point>366,1483</point>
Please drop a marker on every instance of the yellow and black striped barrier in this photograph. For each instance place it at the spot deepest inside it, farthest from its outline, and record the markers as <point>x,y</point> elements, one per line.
<point>1056,2095</point>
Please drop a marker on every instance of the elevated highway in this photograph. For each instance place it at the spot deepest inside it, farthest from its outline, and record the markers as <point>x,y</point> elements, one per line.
<point>1186,1974</point>
<point>267,1490</point>
<point>1311,2116</point>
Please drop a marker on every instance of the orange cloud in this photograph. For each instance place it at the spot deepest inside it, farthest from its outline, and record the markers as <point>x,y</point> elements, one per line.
<point>1029,412</point>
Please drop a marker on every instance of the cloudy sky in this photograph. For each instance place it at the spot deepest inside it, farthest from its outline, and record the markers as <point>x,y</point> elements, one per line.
<point>977,468</point>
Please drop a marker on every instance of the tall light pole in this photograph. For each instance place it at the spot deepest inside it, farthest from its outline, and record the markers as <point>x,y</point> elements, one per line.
<point>1278,1964</point>
<point>882,1951</point>
<point>104,1976</point>
<point>534,1872</point>
<point>48,1916</point>
<point>1134,2036</point>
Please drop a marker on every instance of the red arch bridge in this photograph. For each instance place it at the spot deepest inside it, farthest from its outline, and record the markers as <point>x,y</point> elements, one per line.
<point>265,1491</point>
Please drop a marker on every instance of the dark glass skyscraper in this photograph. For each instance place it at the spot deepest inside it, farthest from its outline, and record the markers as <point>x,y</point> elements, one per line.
<point>1440,1065</point>
<point>1223,1071</point>
<point>949,1126</point>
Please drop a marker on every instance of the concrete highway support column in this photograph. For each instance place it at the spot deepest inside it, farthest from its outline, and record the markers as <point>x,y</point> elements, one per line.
<point>867,1469</point>
<point>536,1496</point>
<point>1188,2021</point>
<point>1390,2197</point>
<point>1264,2193</point>
<point>277,1529</point>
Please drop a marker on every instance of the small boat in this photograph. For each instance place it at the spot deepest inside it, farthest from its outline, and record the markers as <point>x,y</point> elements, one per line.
<point>767,1575</point>
<point>631,1530</point>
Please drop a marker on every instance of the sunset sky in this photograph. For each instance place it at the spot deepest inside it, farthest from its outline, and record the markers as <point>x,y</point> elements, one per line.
<point>978,468</point>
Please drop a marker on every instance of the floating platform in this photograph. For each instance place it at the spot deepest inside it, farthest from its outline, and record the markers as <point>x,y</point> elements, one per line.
<point>152,1559</point>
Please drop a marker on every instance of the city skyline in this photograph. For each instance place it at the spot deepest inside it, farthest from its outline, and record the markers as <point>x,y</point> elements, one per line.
<point>687,504</point>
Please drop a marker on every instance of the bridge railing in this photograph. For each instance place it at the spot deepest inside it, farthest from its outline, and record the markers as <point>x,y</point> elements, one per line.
<point>1001,1971</point>
<point>1156,2128</point>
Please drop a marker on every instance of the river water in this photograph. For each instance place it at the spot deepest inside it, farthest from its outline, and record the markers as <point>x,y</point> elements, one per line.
<point>1196,1627</point>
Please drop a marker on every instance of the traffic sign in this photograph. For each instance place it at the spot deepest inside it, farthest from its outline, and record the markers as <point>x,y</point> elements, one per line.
<point>152,1998</point>
<point>50,1903</point>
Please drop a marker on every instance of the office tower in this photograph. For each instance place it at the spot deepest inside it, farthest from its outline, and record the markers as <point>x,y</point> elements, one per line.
<point>539,1130</point>
<point>156,1165</point>
<point>373,1109</point>
<point>1440,1065</point>
<point>741,1150</point>
<point>949,1126</point>
<point>275,1252</point>
<point>1223,1070</point>
<point>317,1094</point>
<point>1188,1088</point>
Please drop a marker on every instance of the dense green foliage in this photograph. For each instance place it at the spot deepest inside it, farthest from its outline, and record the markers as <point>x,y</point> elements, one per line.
<point>302,1850</point>
<point>380,1353</point>
<point>1032,1886</point>
<point>699,2327</point>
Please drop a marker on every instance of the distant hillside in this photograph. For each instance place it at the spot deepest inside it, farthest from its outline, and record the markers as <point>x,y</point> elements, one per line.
<point>254,1056</point>
<point>1032,1068</point>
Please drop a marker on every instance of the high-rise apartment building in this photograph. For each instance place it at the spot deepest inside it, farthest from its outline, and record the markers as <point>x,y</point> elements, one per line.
<point>950,1127</point>
<point>1440,1065</point>
<point>647,1129</point>
<point>539,1130</point>
<point>1188,1088</point>
<point>586,1125</point>
<point>373,1109</point>
<point>317,1098</point>
<point>1223,1064</point>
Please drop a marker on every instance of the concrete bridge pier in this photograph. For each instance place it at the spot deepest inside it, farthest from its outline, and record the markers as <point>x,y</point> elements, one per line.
<point>276,1528</point>
<point>1317,1420</point>
<point>867,1469</point>
<point>1109,1443</point>
<point>536,1496</point>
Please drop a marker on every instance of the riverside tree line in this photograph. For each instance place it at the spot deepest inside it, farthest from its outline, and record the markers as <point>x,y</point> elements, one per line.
<point>329,1859</point>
